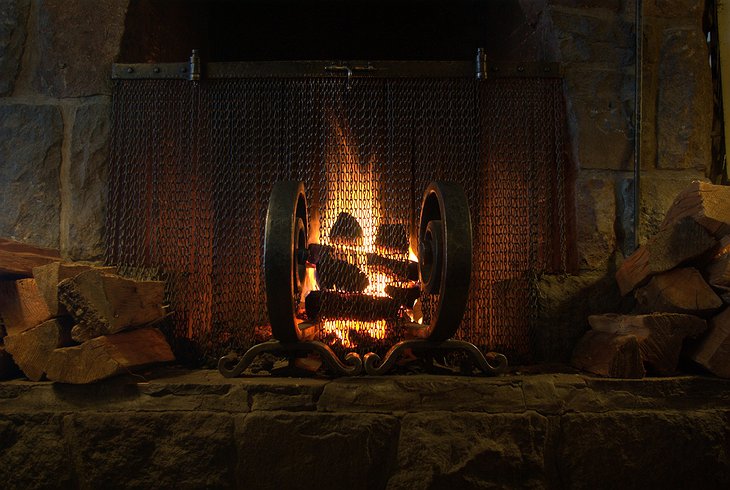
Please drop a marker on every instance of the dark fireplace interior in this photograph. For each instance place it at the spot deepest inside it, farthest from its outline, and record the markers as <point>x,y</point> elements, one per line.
<point>142,144</point>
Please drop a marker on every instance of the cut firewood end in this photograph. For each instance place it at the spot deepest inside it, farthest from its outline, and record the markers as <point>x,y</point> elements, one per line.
<point>18,259</point>
<point>31,349</point>
<point>21,305</point>
<point>104,304</point>
<point>682,241</point>
<point>713,350</point>
<point>608,354</point>
<point>708,204</point>
<point>718,270</point>
<point>48,276</point>
<point>660,336</point>
<point>109,355</point>
<point>681,290</point>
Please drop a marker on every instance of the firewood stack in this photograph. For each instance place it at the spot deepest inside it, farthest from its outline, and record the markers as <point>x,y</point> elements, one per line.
<point>681,282</point>
<point>73,322</point>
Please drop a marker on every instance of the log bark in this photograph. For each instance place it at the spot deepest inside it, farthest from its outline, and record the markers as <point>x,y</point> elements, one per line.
<point>18,259</point>
<point>713,350</point>
<point>21,305</point>
<point>660,336</point>
<point>31,349</point>
<point>707,204</point>
<point>109,355</point>
<point>680,242</point>
<point>718,270</point>
<point>392,237</point>
<point>103,304</point>
<point>681,290</point>
<point>346,230</point>
<point>333,271</point>
<point>48,277</point>
<point>406,270</point>
<point>607,354</point>
<point>336,305</point>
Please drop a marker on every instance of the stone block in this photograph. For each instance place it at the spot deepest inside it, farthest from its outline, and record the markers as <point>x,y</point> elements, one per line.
<point>30,158</point>
<point>593,36</point>
<point>595,220</point>
<point>85,182</point>
<point>471,451</point>
<point>33,453</point>
<point>77,45</point>
<point>645,449</point>
<point>684,101</point>
<point>674,8</point>
<point>13,20</point>
<point>163,450</point>
<point>306,450</point>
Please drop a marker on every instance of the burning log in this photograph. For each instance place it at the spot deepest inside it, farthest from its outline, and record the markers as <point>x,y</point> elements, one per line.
<point>107,356</point>
<point>31,349</point>
<point>333,272</point>
<point>406,293</point>
<point>104,304</point>
<point>392,237</point>
<point>336,305</point>
<point>18,259</point>
<point>681,290</point>
<point>346,230</point>
<point>21,305</point>
<point>48,277</point>
<point>608,354</point>
<point>401,269</point>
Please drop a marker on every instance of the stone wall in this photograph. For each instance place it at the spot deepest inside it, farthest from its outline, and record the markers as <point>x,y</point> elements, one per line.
<point>199,430</point>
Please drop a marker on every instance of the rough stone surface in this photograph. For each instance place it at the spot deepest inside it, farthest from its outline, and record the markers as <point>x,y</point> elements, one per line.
<point>674,8</point>
<point>118,450</point>
<point>33,452</point>
<point>684,101</point>
<point>13,20</point>
<point>595,36</point>
<point>595,220</point>
<point>85,188</point>
<point>471,451</point>
<point>76,46</point>
<point>30,158</point>
<point>315,450</point>
<point>645,449</point>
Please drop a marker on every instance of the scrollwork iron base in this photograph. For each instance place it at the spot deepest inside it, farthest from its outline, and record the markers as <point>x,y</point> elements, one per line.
<point>374,366</point>
<point>231,366</point>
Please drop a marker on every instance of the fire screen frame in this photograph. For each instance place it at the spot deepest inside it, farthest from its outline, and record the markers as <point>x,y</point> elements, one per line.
<point>172,194</point>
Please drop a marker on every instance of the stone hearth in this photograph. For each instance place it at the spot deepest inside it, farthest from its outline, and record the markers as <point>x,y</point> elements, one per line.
<point>198,430</point>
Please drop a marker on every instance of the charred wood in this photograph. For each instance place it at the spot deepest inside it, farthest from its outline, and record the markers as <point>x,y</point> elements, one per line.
<point>336,305</point>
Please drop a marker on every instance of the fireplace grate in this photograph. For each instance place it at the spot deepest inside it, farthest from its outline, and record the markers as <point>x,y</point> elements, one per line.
<point>193,164</point>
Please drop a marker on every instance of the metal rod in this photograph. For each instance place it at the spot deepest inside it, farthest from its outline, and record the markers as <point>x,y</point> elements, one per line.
<point>639,28</point>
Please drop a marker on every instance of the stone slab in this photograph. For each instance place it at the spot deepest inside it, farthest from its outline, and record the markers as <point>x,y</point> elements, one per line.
<point>595,219</point>
<point>13,20</point>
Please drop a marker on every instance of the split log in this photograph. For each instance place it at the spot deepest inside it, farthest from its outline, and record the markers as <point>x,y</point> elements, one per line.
<point>346,230</point>
<point>31,349</point>
<point>333,272</point>
<point>607,354</point>
<point>104,304</point>
<point>392,237</point>
<point>680,290</point>
<point>336,305</point>
<point>109,355</point>
<point>406,270</point>
<point>21,305</point>
<point>48,276</point>
<point>682,241</point>
<point>713,350</point>
<point>18,259</point>
<point>707,204</point>
<point>8,368</point>
<point>405,293</point>
<point>660,336</point>
<point>718,270</point>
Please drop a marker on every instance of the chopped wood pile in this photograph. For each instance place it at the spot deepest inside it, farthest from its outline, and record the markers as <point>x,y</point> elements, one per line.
<point>74,322</point>
<point>680,279</point>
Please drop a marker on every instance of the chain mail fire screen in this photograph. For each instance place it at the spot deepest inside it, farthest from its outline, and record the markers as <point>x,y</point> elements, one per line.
<point>193,164</point>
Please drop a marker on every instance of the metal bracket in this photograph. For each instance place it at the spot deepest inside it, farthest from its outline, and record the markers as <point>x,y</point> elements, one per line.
<point>231,366</point>
<point>374,366</point>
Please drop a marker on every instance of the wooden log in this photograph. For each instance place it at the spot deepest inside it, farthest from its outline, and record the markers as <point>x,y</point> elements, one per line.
<point>713,350</point>
<point>31,349</point>
<point>48,276</point>
<point>707,204</point>
<point>392,237</point>
<point>21,305</point>
<point>103,304</point>
<point>109,355</point>
<point>333,272</point>
<point>336,305</point>
<point>680,242</point>
<point>18,259</point>
<point>406,270</point>
<point>405,293</point>
<point>660,336</point>
<point>346,230</point>
<point>8,368</point>
<point>718,270</point>
<point>681,290</point>
<point>607,354</point>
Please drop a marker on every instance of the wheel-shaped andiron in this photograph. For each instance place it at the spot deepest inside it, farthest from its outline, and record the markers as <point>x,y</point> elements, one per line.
<point>444,255</point>
<point>285,240</point>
